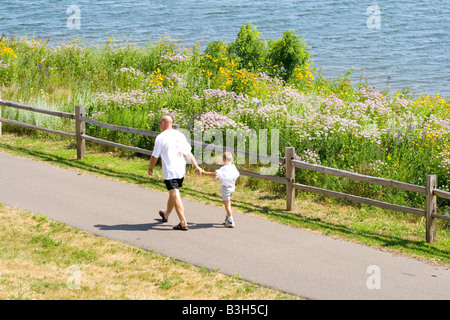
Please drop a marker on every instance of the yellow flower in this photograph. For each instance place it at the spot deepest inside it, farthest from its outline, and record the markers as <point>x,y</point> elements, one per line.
<point>8,51</point>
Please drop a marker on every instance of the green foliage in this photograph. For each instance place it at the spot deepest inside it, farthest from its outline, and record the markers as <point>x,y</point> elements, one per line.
<point>165,284</point>
<point>286,54</point>
<point>249,50</point>
<point>219,50</point>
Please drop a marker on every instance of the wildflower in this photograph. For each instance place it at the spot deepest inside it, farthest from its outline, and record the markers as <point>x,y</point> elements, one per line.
<point>176,57</point>
<point>214,120</point>
<point>7,51</point>
<point>125,99</point>
<point>132,71</point>
<point>309,156</point>
<point>3,65</point>
<point>445,160</point>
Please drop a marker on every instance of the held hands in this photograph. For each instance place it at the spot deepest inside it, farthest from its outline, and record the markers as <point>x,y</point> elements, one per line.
<point>199,170</point>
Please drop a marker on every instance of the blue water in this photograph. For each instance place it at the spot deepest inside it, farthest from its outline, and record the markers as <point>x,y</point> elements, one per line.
<point>409,49</point>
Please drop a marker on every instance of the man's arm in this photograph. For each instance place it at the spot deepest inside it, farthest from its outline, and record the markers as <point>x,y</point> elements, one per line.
<point>153,161</point>
<point>191,157</point>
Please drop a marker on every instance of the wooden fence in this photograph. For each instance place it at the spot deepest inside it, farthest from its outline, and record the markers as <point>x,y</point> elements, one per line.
<point>430,191</point>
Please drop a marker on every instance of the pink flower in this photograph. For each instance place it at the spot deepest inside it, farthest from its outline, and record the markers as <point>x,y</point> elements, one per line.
<point>214,120</point>
<point>176,57</point>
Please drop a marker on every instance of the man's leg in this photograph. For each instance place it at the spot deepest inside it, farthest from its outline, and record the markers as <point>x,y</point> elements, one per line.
<point>170,205</point>
<point>174,195</point>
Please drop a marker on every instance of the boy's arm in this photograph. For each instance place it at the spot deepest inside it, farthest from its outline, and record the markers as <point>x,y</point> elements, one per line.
<point>209,173</point>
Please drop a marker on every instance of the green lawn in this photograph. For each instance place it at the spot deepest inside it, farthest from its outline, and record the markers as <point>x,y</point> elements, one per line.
<point>45,259</point>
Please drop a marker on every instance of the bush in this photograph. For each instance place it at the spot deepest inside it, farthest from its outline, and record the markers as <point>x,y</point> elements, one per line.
<point>249,55</point>
<point>249,50</point>
<point>286,54</point>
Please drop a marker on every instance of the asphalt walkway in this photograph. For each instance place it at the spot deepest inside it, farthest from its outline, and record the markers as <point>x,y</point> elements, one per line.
<point>289,259</point>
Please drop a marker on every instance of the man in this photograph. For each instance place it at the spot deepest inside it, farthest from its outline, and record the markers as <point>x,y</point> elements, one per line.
<point>172,146</point>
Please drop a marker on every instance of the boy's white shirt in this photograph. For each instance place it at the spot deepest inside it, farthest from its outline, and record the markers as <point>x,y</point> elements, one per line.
<point>227,175</point>
<point>171,145</point>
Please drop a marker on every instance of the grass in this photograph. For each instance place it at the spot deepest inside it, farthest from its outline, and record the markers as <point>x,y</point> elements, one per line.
<point>45,259</point>
<point>397,232</point>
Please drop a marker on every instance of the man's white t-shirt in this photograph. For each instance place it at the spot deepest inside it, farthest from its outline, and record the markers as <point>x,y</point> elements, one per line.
<point>227,175</point>
<point>171,145</point>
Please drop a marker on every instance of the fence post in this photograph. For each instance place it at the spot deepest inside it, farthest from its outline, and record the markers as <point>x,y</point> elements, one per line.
<point>80,128</point>
<point>290,177</point>
<point>431,208</point>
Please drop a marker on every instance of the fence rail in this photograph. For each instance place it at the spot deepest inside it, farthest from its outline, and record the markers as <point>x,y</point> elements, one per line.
<point>364,178</point>
<point>430,191</point>
<point>345,196</point>
<point>39,110</point>
<point>359,177</point>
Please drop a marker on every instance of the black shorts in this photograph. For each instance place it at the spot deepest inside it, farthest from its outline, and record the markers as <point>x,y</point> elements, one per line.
<point>174,183</point>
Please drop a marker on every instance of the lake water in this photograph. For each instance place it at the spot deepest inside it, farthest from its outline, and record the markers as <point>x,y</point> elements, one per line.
<point>398,43</point>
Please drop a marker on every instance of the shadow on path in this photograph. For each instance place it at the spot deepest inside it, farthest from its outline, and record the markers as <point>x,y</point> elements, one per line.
<point>158,225</point>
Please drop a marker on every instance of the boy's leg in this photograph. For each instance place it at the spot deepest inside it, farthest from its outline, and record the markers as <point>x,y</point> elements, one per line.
<point>229,223</point>
<point>227,204</point>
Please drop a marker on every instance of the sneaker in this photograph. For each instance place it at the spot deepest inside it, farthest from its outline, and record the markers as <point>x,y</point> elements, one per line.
<point>229,224</point>
<point>226,220</point>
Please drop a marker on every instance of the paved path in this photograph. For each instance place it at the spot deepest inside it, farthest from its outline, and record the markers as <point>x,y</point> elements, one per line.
<point>278,256</point>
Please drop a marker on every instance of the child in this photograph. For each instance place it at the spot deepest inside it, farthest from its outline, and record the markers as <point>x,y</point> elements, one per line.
<point>227,175</point>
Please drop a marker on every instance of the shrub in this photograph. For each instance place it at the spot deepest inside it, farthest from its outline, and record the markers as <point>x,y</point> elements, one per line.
<point>249,50</point>
<point>286,54</point>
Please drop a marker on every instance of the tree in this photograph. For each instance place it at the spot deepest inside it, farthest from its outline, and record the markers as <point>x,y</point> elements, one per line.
<point>286,54</point>
<point>249,50</point>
